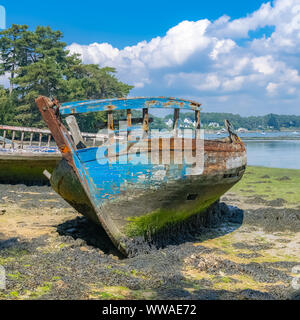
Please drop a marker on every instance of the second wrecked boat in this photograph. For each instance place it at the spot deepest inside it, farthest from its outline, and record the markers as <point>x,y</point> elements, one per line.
<point>137,186</point>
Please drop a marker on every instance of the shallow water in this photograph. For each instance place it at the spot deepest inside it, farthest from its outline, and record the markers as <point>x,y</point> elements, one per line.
<point>270,153</point>
<point>274,154</point>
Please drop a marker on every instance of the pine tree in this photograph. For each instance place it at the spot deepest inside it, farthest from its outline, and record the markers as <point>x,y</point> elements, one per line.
<point>7,115</point>
<point>13,51</point>
<point>39,64</point>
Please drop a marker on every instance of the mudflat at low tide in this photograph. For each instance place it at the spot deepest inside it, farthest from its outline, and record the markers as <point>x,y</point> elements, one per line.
<point>247,249</point>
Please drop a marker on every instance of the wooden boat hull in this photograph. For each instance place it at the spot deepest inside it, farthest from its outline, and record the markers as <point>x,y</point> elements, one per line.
<point>137,188</point>
<point>26,168</point>
<point>134,201</point>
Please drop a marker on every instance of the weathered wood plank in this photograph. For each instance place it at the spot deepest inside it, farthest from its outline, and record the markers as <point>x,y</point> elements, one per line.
<point>13,139</point>
<point>4,136</point>
<point>31,137</point>
<point>110,120</point>
<point>127,103</point>
<point>198,124</point>
<point>175,121</point>
<point>36,130</point>
<point>197,119</point>
<point>129,118</point>
<point>49,139</point>
<point>40,139</point>
<point>145,120</point>
<point>24,129</point>
<point>75,132</point>
<point>22,139</point>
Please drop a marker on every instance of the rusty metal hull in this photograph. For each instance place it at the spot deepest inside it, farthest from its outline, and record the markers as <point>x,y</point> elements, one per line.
<point>133,201</point>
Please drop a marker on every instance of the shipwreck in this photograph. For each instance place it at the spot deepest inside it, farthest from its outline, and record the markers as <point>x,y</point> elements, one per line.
<point>136,183</point>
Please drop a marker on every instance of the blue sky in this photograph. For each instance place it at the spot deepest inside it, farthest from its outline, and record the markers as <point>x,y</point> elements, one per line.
<point>120,23</point>
<point>233,56</point>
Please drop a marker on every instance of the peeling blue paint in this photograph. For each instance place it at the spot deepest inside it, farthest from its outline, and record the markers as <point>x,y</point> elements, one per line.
<point>127,103</point>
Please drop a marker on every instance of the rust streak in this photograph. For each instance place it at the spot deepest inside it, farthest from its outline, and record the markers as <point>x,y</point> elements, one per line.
<point>110,107</point>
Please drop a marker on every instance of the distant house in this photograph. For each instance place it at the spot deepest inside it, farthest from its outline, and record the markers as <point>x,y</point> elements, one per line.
<point>169,123</point>
<point>214,125</point>
<point>187,123</point>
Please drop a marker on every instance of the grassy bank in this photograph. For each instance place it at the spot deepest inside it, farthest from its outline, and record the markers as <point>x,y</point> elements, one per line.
<point>271,184</point>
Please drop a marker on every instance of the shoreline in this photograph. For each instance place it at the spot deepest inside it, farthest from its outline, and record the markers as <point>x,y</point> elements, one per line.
<point>270,138</point>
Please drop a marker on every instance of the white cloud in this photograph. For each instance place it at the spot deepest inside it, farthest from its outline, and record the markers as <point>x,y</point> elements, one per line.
<point>209,60</point>
<point>233,84</point>
<point>210,82</point>
<point>272,87</point>
<point>222,46</point>
<point>239,28</point>
<point>264,65</point>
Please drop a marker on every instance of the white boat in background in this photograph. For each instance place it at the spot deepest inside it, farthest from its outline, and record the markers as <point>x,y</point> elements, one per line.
<point>222,131</point>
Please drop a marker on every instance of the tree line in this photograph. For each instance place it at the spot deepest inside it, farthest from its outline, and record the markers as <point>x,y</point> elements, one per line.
<point>269,121</point>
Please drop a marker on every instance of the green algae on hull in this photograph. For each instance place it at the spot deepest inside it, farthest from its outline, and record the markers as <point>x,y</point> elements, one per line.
<point>155,221</point>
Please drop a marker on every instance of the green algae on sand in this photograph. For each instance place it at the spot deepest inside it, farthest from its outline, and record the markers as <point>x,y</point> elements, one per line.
<point>281,184</point>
